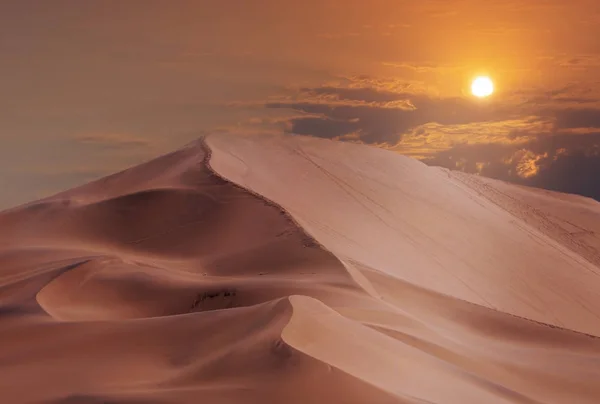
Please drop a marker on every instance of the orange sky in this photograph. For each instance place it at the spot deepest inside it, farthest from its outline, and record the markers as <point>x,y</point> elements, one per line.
<point>87,88</point>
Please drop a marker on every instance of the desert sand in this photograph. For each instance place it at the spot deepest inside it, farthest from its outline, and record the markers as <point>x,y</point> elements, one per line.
<point>281,269</point>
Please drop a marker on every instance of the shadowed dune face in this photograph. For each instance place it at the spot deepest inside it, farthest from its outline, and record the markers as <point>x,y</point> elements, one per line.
<point>206,245</point>
<point>296,270</point>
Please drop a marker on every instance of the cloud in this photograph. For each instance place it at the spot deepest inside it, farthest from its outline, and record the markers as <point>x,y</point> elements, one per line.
<point>378,114</point>
<point>571,95</point>
<point>339,35</point>
<point>375,124</point>
<point>578,62</point>
<point>425,67</point>
<point>578,118</point>
<point>573,172</point>
<point>559,162</point>
<point>322,127</point>
<point>114,141</point>
<point>426,140</point>
<point>33,184</point>
<point>364,94</point>
<point>529,136</point>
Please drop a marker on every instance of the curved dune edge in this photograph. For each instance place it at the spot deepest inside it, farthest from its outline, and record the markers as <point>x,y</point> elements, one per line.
<point>356,275</point>
<point>240,358</point>
<point>383,361</point>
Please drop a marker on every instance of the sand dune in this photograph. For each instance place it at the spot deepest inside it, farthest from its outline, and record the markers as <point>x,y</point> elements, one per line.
<point>298,270</point>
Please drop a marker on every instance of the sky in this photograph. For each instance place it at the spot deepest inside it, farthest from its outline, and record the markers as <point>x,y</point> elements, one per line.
<point>88,88</point>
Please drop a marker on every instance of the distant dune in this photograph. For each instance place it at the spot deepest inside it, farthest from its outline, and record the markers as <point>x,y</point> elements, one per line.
<point>280,269</point>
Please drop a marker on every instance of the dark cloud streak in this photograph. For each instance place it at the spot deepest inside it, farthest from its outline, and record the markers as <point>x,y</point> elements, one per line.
<point>380,116</point>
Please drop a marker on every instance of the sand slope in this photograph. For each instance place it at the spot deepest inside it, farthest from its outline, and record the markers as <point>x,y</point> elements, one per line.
<point>294,270</point>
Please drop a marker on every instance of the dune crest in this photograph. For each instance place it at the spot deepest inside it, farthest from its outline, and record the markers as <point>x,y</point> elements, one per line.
<point>289,269</point>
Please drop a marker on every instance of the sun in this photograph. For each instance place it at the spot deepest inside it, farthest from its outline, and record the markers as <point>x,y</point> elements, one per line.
<point>482,87</point>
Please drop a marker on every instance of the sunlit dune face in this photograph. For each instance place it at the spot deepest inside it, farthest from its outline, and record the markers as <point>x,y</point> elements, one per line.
<point>482,87</point>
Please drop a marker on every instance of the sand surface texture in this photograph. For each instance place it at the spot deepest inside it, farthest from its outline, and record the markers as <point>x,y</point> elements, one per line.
<point>271,269</point>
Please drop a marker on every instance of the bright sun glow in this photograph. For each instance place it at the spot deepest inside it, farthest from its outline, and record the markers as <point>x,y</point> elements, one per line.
<point>482,87</point>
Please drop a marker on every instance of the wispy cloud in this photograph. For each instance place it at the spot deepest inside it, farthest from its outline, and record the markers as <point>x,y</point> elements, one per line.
<point>425,67</point>
<point>114,141</point>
